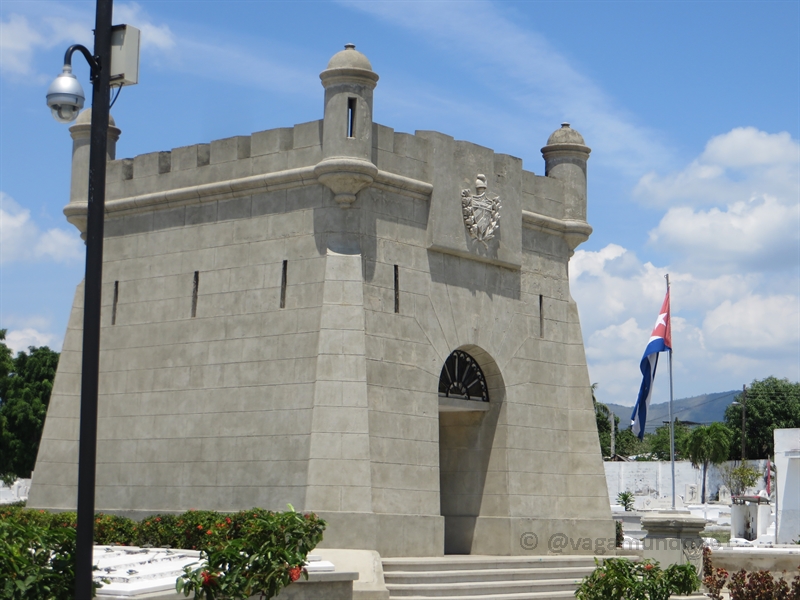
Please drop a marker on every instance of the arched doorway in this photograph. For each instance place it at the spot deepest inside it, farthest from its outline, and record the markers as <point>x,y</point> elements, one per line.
<point>470,394</point>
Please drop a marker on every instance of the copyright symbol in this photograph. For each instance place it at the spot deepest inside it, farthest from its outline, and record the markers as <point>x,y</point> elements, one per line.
<point>528,540</point>
<point>557,542</point>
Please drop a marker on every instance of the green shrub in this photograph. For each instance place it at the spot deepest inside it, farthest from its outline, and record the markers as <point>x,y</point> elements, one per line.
<point>36,559</point>
<point>620,578</point>
<point>111,530</point>
<point>158,531</point>
<point>626,499</point>
<point>756,585</point>
<point>254,549</point>
<point>266,555</point>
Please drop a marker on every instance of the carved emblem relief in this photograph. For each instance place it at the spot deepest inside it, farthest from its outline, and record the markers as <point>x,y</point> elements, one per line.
<point>481,212</point>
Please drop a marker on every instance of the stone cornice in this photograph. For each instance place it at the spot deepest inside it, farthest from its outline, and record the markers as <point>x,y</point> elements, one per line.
<point>575,232</point>
<point>234,188</point>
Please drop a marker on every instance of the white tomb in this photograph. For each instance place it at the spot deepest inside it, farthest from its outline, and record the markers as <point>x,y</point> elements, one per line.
<point>787,463</point>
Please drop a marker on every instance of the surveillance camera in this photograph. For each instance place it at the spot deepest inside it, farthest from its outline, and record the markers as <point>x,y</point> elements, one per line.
<point>65,96</point>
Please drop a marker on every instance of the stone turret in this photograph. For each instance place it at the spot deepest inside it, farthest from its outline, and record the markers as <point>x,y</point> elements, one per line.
<point>75,211</point>
<point>346,166</point>
<point>565,157</point>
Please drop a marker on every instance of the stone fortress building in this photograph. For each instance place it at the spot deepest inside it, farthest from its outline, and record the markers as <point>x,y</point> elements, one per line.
<point>371,325</point>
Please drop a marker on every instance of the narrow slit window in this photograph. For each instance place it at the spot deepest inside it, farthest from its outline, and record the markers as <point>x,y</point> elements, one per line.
<point>114,305</point>
<point>396,289</point>
<point>541,316</point>
<point>351,117</point>
<point>195,288</point>
<point>283,283</point>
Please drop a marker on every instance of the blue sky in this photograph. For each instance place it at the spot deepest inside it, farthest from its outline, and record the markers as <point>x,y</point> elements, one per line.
<point>692,111</point>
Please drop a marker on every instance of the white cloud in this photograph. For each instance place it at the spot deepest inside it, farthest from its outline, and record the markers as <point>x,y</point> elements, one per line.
<point>738,166</point>
<point>762,234</point>
<point>22,240</point>
<point>747,147</point>
<point>20,340</point>
<point>755,324</point>
<point>23,35</point>
<point>751,180</point>
<point>44,26</point>
<point>617,341</point>
<point>594,262</point>
<point>154,37</point>
<point>17,43</point>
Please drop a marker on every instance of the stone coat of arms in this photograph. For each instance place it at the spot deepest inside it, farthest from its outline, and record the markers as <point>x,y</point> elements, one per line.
<point>481,212</point>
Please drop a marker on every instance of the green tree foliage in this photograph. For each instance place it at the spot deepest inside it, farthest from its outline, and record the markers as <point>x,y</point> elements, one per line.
<point>770,404</point>
<point>629,445</point>
<point>26,383</point>
<point>659,441</point>
<point>602,415</point>
<point>625,443</point>
<point>739,478</point>
<point>708,445</point>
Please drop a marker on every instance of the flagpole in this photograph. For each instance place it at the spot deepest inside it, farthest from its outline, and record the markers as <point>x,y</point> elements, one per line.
<point>671,422</point>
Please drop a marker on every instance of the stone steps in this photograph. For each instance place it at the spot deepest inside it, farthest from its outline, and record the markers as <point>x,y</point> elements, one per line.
<point>524,596</point>
<point>485,577</point>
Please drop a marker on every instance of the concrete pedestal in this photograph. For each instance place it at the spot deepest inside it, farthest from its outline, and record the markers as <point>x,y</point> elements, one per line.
<point>673,537</point>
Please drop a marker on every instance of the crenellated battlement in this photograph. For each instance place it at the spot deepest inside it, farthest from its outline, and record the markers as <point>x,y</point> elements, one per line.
<point>285,149</point>
<point>221,160</point>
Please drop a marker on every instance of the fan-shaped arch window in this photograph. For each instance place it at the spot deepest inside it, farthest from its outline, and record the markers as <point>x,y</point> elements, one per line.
<point>462,377</point>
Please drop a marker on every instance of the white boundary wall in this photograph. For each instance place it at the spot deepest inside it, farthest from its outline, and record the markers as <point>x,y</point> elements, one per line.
<point>18,491</point>
<point>653,478</point>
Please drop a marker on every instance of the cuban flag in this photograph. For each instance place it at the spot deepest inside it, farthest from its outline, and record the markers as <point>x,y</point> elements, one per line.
<point>660,341</point>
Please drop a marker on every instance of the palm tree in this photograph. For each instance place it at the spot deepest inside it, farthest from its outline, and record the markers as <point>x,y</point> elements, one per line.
<point>708,445</point>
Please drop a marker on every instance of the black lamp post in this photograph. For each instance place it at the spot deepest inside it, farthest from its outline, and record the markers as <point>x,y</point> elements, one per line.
<point>65,99</point>
<point>743,404</point>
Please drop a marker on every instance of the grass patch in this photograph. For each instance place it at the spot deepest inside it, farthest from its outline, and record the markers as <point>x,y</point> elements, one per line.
<point>723,537</point>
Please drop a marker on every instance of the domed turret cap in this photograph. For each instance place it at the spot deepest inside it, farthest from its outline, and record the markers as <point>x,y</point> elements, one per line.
<point>565,135</point>
<point>349,58</point>
<point>85,118</point>
<point>347,66</point>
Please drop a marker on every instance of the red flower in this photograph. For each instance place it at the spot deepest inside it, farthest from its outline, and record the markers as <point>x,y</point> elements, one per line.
<point>158,518</point>
<point>294,573</point>
<point>209,580</point>
<point>200,527</point>
<point>228,520</point>
<point>648,567</point>
<point>208,532</point>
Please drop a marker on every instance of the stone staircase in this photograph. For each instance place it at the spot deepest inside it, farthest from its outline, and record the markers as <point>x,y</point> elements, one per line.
<point>485,577</point>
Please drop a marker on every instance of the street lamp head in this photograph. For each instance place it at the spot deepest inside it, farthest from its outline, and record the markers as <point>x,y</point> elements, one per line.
<point>65,96</point>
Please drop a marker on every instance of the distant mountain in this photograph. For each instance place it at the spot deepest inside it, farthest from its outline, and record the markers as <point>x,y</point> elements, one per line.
<point>704,409</point>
